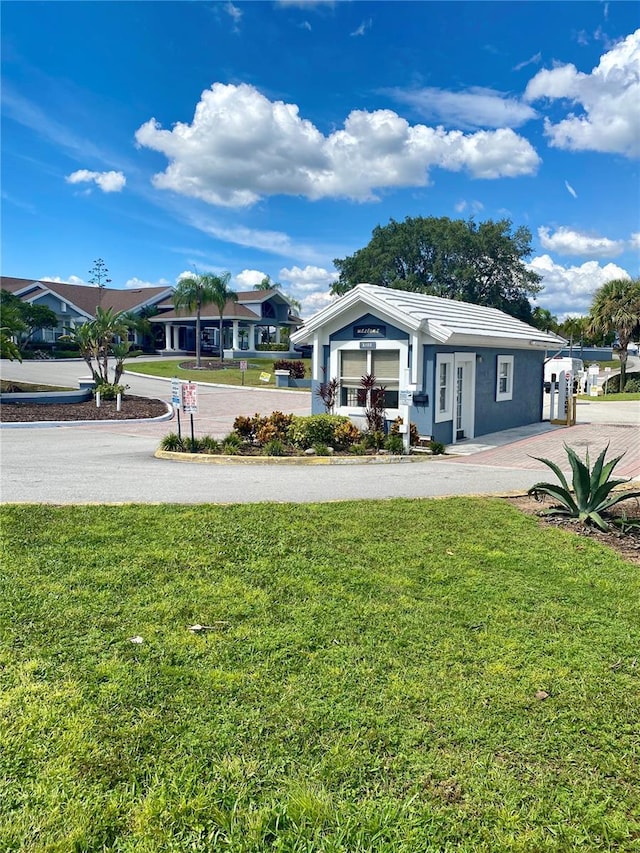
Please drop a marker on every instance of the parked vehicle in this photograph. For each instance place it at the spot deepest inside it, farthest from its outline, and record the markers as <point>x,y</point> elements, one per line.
<point>555,366</point>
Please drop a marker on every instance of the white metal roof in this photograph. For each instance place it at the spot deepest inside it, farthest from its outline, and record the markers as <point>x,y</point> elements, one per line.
<point>445,320</point>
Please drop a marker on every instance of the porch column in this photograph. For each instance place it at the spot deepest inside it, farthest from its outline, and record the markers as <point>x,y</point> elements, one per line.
<point>236,337</point>
<point>277,334</point>
<point>167,336</point>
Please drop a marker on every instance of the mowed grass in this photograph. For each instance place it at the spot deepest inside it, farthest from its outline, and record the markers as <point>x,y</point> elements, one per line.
<point>170,368</point>
<point>369,682</point>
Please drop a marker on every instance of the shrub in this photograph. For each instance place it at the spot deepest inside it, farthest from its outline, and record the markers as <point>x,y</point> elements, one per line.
<point>321,450</point>
<point>394,444</point>
<point>231,444</point>
<point>346,434</point>
<point>374,440</point>
<point>612,385</point>
<point>274,426</point>
<point>274,448</point>
<point>245,427</point>
<point>209,444</point>
<point>295,368</point>
<point>632,386</point>
<point>414,436</point>
<point>172,442</point>
<point>590,496</point>
<point>328,393</point>
<point>271,347</point>
<point>316,429</point>
<point>109,391</point>
<point>437,448</point>
<point>358,449</point>
<point>192,445</point>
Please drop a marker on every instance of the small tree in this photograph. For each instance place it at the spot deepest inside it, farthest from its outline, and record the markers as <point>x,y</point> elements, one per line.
<point>328,393</point>
<point>198,290</point>
<point>373,400</point>
<point>616,308</point>
<point>22,320</point>
<point>100,339</point>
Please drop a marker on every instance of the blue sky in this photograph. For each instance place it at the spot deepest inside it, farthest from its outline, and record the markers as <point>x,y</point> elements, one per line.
<point>272,137</point>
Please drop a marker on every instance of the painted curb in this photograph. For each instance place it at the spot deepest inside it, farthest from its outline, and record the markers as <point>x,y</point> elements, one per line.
<point>217,459</point>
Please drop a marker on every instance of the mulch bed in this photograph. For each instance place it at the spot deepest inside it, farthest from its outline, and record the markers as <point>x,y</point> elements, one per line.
<point>132,408</point>
<point>627,545</point>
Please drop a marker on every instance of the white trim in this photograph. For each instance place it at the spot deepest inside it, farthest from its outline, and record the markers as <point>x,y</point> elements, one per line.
<point>337,347</point>
<point>444,413</point>
<point>467,360</point>
<point>507,394</point>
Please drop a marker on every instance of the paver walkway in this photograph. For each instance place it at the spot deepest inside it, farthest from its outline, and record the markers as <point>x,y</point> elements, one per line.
<point>621,439</point>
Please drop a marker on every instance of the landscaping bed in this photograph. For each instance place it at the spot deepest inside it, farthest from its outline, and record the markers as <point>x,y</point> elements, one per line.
<point>132,408</point>
<point>624,542</point>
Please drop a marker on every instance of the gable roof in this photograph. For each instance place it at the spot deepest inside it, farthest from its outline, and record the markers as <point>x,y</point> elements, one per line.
<point>85,298</point>
<point>445,320</point>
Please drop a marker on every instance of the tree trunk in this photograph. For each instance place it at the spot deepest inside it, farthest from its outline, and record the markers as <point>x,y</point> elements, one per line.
<point>623,368</point>
<point>198,337</point>
<point>221,347</point>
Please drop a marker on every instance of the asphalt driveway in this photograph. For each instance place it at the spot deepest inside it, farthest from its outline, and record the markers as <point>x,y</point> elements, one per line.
<point>114,462</point>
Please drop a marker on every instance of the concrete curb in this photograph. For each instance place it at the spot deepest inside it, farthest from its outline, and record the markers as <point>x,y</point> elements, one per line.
<point>48,424</point>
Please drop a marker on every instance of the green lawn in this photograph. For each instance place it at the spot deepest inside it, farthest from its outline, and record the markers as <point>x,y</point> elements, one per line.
<point>369,683</point>
<point>169,368</point>
<point>611,398</point>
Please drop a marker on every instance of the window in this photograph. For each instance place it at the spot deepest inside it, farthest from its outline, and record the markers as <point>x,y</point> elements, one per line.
<point>504,378</point>
<point>384,364</point>
<point>444,387</point>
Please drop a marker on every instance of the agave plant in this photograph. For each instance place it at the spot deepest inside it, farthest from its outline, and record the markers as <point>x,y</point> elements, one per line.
<point>590,496</point>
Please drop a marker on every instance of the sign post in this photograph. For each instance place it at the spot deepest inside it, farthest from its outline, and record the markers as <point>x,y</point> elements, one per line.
<point>176,400</point>
<point>404,404</point>
<point>190,403</point>
<point>243,367</point>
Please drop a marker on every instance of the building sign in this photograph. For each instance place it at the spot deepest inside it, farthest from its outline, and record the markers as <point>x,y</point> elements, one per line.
<point>406,398</point>
<point>190,398</point>
<point>370,331</point>
<point>367,344</point>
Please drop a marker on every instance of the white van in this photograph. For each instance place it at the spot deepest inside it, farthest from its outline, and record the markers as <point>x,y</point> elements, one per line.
<point>554,367</point>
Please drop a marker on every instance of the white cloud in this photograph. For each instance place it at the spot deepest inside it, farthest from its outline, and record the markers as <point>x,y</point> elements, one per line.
<point>609,98</point>
<point>565,241</point>
<point>72,279</point>
<point>137,283</point>
<point>475,107</point>
<point>570,189</point>
<point>569,290</point>
<point>310,286</point>
<point>247,279</point>
<point>634,241</point>
<point>109,182</point>
<point>234,12</point>
<point>241,147</point>
<point>472,206</point>
<point>361,30</point>
<point>534,60</point>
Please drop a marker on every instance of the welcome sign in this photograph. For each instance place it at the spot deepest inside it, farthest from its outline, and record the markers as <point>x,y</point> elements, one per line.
<point>370,330</point>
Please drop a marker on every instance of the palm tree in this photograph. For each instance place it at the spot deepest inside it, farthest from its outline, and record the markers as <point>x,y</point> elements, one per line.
<point>616,308</point>
<point>198,290</point>
<point>220,295</point>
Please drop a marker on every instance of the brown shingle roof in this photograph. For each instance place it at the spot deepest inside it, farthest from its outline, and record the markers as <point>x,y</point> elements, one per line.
<point>86,298</point>
<point>232,311</point>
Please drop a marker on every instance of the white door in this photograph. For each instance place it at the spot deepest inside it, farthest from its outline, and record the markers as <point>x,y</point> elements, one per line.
<point>464,399</point>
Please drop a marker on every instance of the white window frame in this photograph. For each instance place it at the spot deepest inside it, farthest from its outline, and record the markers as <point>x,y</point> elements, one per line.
<point>504,361</point>
<point>334,369</point>
<point>444,413</point>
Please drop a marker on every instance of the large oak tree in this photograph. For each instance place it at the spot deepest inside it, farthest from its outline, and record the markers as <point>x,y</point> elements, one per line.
<point>482,263</point>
